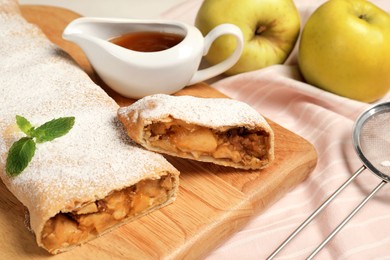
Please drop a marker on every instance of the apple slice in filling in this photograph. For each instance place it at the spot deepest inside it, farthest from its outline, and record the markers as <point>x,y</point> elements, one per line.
<point>237,144</point>
<point>94,218</point>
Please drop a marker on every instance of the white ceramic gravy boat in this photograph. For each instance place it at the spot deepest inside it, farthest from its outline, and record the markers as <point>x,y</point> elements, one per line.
<point>137,74</point>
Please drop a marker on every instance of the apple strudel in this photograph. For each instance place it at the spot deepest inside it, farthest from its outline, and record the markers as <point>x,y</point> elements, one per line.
<point>218,130</point>
<point>92,179</point>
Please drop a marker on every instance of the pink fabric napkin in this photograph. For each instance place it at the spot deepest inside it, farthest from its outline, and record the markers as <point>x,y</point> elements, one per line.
<point>326,120</point>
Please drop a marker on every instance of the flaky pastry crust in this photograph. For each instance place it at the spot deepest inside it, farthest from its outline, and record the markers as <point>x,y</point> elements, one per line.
<point>217,130</point>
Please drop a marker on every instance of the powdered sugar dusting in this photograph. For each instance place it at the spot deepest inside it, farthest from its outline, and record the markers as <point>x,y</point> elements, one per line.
<point>39,82</point>
<point>211,112</point>
<point>385,163</point>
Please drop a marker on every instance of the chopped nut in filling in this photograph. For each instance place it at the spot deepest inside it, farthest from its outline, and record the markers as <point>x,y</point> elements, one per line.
<point>238,144</point>
<point>95,217</point>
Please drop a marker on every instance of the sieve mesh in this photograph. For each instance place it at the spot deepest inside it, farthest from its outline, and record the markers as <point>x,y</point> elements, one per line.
<point>371,140</point>
<point>374,141</point>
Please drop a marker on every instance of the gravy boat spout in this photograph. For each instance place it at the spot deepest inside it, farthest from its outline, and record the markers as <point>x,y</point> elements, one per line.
<point>136,74</point>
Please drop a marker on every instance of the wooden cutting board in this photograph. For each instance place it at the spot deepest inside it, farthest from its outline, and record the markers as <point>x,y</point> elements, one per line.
<point>213,202</point>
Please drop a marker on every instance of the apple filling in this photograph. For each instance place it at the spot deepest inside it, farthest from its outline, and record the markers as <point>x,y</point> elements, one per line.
<point>93,218</point>
<point>238,144</point>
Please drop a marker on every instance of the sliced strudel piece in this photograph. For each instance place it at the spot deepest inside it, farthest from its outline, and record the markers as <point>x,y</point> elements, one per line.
<point>87,182</point>
<point>218,130</point>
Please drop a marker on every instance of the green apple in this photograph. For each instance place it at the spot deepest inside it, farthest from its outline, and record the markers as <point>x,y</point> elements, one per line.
<point>270,29</point>
<point>345,49</point>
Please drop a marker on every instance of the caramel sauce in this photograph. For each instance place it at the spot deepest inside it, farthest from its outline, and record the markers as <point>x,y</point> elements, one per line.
<point>147,41</point>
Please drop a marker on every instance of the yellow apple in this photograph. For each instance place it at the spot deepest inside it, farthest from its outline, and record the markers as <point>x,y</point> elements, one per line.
<point>270,29</point>
<point>345,49</point>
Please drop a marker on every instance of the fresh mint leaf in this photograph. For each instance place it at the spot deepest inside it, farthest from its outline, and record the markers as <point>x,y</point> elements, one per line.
<point>53,129</point>
<point>20,155</point>
<point>23,150</point>
<point>24,125</point>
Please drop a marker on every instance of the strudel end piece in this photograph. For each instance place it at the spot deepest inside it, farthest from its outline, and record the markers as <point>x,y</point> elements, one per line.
<point>218,130</point>
<point>83,184</point>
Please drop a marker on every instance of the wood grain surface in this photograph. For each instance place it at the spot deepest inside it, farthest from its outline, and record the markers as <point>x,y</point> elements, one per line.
<point>213,202</point>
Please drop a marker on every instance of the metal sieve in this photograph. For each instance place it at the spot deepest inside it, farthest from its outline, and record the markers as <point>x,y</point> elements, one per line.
<point>371,140</point>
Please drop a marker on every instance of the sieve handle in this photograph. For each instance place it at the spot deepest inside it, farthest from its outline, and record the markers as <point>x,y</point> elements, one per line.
<point>345,221</point>
<point>316,212</point>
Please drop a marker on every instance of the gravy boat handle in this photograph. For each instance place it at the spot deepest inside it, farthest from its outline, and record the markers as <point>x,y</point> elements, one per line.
<point>226,64</point>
